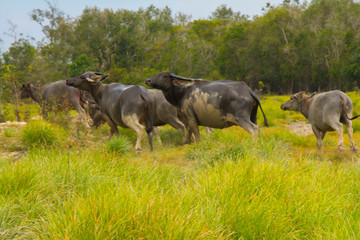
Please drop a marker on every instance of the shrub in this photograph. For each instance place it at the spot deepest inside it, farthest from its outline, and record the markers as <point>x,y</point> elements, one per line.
<point>119,145</point>
<point>9,132</point>
<point>42,133</point>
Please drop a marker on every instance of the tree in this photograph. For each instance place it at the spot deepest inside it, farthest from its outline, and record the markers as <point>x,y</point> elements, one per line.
<point>10,86</point>
<point>49,19</point>
<point>80,65</point>
<point>224,13</point>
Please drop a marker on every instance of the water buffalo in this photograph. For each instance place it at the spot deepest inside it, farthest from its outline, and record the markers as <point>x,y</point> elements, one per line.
<point>217,104</point>
<point>326,112</point>
<point>165,113</point>
<point>127,106</point>
<point>56,96</point>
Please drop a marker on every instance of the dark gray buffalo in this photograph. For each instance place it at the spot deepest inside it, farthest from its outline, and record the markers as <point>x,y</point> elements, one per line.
<point>164,113</point>
<point>56,96</point>
<point>217,104</point>
<point>127,106</point>
<point>326,112</point>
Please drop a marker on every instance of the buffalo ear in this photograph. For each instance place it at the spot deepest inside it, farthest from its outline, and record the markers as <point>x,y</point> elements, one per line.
<point>177,82</point>
<point>299,96</point>
<point>104,76</point>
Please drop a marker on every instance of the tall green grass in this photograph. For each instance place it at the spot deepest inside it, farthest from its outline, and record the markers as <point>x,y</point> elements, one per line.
<point>228,186</point>
<point>242,189</point>
<point>42,134</point>
<point>119,145</point>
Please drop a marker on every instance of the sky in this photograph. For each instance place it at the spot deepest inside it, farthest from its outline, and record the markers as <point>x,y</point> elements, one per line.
<point>18,12</point>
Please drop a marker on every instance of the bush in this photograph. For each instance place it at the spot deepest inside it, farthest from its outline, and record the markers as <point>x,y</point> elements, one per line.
<point>119,145</point>
<point>42,133</point>
<point>9,132</point>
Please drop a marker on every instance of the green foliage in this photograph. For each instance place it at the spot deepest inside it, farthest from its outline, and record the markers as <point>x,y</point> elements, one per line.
<point>42,134</point>
<point>81,64</point>
<point>9,132</point>
<point>290,47</point>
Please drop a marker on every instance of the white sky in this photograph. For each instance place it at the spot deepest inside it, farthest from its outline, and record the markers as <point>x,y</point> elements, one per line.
<point>18,11</point>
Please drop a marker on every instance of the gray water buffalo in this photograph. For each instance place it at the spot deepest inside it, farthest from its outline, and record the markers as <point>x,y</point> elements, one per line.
<point>56,96</point>
<point>165,113</point>
<point>326,112</point>
<point>127,106</point>
<point>215,104</point>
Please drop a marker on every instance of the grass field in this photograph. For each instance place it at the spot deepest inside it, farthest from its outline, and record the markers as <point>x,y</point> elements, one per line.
<point>228,186</point>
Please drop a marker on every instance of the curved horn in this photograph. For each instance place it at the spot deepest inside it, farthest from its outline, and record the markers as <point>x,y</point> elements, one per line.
<point>90,80</point>
<point>313,94</point>
<point>98,73</point>
<point>182,78</point>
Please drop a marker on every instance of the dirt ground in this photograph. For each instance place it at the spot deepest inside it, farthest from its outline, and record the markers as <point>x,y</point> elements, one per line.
<point>300,128</point>
<point>11,124</point>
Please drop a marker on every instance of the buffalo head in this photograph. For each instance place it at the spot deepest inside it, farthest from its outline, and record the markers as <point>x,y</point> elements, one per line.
<point>86,80</point>
<point>296,101</point>
<point>25,91</point>
<point>165,80</point>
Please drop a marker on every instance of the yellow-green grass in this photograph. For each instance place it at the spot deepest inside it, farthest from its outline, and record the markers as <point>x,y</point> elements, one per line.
<point>228,186</point>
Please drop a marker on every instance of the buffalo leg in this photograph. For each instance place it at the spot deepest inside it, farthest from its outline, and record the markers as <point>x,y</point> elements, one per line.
<point>339,129</point>
<point>353,147</point>
<point>194,129</point>
<point>319,138</point>
<point>250,127</point>
<point>187,138</point>
<point>179,126</point>
<point>156,133</point>
<point>112,125</point>
<point>132,122</point>
<point>83,116</point>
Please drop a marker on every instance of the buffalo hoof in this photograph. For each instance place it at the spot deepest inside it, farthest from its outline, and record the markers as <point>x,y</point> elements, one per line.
<point>138,150</point>
<point>341,148</point>
<point>354,149</point>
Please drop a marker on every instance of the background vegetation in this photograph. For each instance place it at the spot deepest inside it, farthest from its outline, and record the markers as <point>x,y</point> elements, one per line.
<point>290,47</point>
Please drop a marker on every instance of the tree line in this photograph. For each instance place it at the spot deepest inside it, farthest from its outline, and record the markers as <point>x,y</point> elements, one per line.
<point>290,47</point>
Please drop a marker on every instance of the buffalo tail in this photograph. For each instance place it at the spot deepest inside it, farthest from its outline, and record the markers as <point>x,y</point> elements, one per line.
<point>344,113</point>
<point>149,121</point>
<point>258,102</point>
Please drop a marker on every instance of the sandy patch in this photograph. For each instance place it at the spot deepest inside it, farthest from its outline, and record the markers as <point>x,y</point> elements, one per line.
<point>300,128</point>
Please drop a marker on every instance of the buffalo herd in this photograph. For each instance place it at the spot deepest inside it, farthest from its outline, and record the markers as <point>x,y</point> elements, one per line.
<point>185,104</point>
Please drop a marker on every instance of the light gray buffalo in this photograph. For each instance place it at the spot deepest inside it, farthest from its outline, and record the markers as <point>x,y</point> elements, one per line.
<point>57,96</point>
<point>215,104</point>
<point>326,112</point>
